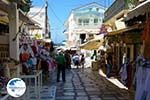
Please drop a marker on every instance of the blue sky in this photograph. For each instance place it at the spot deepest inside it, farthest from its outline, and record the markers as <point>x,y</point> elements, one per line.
<point>59,10</point>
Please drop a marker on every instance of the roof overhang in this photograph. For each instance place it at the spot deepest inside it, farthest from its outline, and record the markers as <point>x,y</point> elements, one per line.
<point>116,32</point>
<point>93,44</point>
<point>114,18</point>
<point>141,9</point>
<point>32,27</point>
<point>4,5</point>
<point>20,2</point>
<point>24,17</point>
<point>3,17</point>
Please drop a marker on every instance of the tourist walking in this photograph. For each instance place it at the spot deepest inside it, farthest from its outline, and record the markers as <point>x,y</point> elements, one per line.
<point>76,60</point>
<point>60,61</point>
<point>108,64</point>
<point>68,60</point>
<point>82,60</point>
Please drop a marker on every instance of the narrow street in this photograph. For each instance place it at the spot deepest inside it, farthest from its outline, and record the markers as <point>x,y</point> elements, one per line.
<point>84,85</point>
<point>81,84</point>
<point>100,47</point>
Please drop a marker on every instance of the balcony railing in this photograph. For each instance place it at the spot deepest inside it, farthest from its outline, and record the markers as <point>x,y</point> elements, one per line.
<point>115,8</point>
<point>87,27</point>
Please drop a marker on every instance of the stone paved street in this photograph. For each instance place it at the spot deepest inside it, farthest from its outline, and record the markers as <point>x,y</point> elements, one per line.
<point>83,85</point>
<point>80,85</point>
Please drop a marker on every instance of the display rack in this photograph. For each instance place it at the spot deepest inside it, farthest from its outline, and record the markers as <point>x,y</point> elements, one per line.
<point>37,84</point>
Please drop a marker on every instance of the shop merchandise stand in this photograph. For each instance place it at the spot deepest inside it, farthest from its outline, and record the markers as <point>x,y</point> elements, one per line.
<point>33,83</point>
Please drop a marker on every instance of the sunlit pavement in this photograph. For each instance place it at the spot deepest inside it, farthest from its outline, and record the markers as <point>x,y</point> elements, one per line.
<point>84,85</point>
<point>81,84</point>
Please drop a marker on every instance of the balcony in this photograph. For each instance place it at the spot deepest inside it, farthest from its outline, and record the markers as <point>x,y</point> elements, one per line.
<point>114,9</point>
<point>87,25</point>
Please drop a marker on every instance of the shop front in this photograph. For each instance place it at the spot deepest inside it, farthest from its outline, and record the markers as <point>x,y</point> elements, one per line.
<point>142,75</point>
<point>126,45</point>
<point>93,46</point>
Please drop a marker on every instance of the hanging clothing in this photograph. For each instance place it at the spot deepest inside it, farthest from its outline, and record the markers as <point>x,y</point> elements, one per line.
<point>25,52</point>
<point>28,49</point>
<point>34,49</point>
<point>142,78</point>
<point>24,56</point>
<point>34,61</point>
<point>123,74</point>
<point>147,84</point>
<point>44,54</point>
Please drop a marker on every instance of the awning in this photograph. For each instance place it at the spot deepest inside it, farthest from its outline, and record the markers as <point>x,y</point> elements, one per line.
<point>93,44</point>
<point>141,9</point>
<point>3,17</point>
<point>24,17</point>
<point>137,26</point>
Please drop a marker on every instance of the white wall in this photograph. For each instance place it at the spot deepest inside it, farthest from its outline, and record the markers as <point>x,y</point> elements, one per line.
<point>74,29</point>
<point>40,18</point>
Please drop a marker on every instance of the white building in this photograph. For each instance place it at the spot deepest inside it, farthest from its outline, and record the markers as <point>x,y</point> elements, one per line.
<point>38,14</point>
<point>83,24</point>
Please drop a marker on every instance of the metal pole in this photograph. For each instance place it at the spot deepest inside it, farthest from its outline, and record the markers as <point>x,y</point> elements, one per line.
<point>46,20</point>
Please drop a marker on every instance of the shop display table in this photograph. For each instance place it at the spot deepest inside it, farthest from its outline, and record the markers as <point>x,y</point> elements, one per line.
<point>36,75</point>
<point>33,80</point>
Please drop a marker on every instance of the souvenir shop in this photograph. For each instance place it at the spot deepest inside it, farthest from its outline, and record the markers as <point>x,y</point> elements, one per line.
<point>141,15</point>
<point>35,55</point>
<point>125,47</point>
<point>142,74</point>
<point>35,61</point>
<point>8,67</point>
<point>131,57</point>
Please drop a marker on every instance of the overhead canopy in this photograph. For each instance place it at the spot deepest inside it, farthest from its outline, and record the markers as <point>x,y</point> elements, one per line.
<point>3,17</point>
<point>139,10</point>
<point>137,26</point>
<point>5,20</point>
<point>93,44</point>
<point>25,18</point>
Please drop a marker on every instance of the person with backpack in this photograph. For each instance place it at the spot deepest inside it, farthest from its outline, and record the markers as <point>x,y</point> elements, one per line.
<point>76,60</point>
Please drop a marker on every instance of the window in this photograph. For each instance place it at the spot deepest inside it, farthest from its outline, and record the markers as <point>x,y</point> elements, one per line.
<point>83,21</point>
<point>100,20</point>
<point>97,9</point>
<point>95,21</point>
<point>86,21</point>
<point>90,9</point>
<point>80,22</point>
